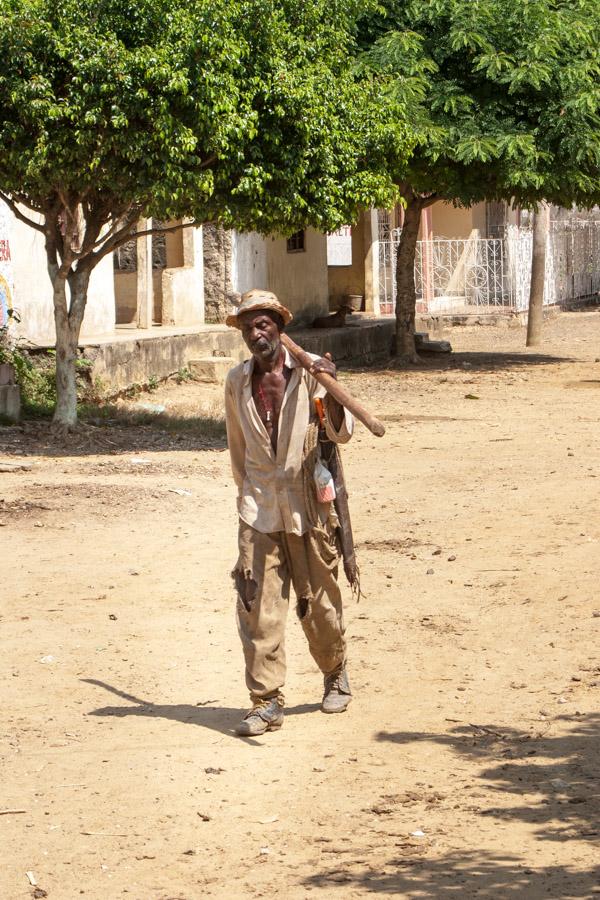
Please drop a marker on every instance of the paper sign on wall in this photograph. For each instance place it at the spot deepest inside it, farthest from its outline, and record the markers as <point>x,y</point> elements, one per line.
<point>339,247</point>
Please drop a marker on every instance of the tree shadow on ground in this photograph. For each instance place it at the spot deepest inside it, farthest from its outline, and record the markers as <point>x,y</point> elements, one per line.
<point>113,437</point>
<point>471,360</point>
<point>216,718</point>
<point>556,780</point>
<point>481,875</point>
<point>561,771</point>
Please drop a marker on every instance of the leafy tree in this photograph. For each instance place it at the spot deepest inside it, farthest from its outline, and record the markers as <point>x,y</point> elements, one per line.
<point>503,98</point>
<point>237,111</point>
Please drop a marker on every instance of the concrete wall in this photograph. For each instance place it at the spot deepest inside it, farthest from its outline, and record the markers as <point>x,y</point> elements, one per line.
<point>248,262</point>
<point>125,296</point>
<point>217,274</point>
<point>182,297</point>
<point>371,236</point>
<point>7,287</point>
<point>300,279</point>
<point>174,243</point>
<point>177,290</point>
<point>358,344</point>
<point>33,291</point>
<point>123,362</point>
<point>182,288</point>
<point>125,287</point>
<point>344,280</point>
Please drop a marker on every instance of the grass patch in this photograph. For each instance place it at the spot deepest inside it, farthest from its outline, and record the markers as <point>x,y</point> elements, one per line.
<point>36,376</point>
<point>209,425</point>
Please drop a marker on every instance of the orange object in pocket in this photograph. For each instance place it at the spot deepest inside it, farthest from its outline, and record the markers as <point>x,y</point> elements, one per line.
<point>320,411</point>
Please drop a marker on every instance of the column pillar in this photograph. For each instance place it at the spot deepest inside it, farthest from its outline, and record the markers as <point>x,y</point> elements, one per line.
<point>426,237</point>
<point>144,287</point>
<point>371,252</point>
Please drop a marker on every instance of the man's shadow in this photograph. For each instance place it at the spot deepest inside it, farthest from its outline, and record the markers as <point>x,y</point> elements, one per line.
<point>218,718</point>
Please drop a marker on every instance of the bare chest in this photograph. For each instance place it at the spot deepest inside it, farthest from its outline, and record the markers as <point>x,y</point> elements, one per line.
<point>268,391</point>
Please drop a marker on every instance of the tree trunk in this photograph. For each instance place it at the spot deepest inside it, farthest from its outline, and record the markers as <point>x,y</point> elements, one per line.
<point>406,298</point>
<point>541,227</point>
<point>67,320</point>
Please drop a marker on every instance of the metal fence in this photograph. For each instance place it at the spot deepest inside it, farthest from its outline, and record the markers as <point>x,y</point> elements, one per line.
<point>458,273</point>
<point>493,274</point>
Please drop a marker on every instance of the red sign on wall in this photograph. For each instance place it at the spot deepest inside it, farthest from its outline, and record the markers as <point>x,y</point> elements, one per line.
<point>4,250</point>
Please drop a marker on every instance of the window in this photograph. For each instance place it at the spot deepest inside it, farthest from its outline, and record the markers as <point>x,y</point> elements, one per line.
<point>295,243</point>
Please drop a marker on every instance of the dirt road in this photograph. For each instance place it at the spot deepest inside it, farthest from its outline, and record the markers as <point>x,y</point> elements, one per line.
<point>468,763</point>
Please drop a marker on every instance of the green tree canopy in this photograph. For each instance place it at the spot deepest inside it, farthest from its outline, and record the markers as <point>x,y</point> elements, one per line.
<point>237,111</point>
<point>503,97</point>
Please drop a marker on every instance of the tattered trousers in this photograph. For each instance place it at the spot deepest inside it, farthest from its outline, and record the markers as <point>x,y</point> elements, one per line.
<point>268,565</point>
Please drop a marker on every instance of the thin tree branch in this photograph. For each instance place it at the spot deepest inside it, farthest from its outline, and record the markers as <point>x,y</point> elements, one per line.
<point>91,260</point>
<point>430,199</point>
<point>208,161</point>
<point>19,215</point>
<point>93,226</point>
<point>126,234</point>
<point>24,200</point>
<point>116,226</point>
<point>53,226</point>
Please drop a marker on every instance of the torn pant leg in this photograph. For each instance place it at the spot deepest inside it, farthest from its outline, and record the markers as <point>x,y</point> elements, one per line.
<point>313,560</point>
<point>262,581</point>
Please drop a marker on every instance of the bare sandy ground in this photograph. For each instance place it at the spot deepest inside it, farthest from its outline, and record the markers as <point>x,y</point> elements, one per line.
<point>468,763</point>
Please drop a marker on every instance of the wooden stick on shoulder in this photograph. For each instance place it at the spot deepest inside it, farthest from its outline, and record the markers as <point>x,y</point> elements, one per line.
<point>334,388</point>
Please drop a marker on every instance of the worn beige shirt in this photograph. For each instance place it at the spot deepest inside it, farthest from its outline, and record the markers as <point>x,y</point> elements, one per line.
<point>270,487</point>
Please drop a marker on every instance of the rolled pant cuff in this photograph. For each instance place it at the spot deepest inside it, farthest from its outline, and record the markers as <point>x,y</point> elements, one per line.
<point>258,698</point>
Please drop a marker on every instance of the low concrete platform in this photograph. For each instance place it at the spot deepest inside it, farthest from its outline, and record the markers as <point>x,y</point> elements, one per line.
<point>211,369</point>
<point>360,342</point>
<point>135,356</point>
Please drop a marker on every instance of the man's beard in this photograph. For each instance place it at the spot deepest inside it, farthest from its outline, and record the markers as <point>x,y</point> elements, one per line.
<point>265,349</point>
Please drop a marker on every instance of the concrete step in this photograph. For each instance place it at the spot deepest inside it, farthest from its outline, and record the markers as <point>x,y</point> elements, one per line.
<point>10,402</point>
<point>211,369</point>
<point>424,345</point>
<point>435,347</point>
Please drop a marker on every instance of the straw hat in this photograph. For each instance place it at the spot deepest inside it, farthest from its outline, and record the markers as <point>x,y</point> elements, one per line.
<point>258,299</point>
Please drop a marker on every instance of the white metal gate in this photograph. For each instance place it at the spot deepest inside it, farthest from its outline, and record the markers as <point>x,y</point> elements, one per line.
<point>493,274</point>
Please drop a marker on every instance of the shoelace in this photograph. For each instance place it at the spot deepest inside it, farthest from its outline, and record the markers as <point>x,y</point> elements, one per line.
<point>334,681</point>
<point>262,704</point>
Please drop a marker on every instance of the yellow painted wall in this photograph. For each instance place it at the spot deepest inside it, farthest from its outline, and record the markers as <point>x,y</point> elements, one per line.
<point>299,279</point>
<point>448,221</point>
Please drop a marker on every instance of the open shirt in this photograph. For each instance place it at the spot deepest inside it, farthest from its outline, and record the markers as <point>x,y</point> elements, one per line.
<point>270,485</point>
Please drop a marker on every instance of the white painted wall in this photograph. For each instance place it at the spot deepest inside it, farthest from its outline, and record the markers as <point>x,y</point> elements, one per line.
<point>33,291</point>
<point>248,262</point>
<point>183,283</point>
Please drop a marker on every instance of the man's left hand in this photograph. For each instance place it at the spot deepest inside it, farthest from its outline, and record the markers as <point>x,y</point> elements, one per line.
<point>324,364</point>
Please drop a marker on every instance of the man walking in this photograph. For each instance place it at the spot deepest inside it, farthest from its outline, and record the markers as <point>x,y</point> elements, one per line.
<point>285,537</point>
